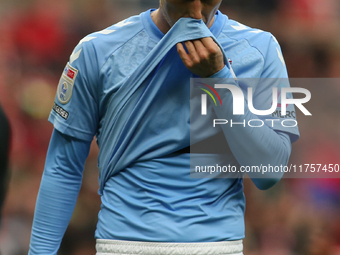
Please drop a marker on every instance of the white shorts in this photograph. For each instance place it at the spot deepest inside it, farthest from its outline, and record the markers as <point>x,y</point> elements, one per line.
<point>114,247</point>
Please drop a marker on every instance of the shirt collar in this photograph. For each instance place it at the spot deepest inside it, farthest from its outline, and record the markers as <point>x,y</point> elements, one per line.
<point>154,32</point>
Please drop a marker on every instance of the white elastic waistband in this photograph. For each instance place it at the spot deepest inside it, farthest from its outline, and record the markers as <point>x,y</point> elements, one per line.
<point>114,247</point>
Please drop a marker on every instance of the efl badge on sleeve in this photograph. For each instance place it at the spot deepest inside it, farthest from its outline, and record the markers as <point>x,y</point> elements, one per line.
<point>66,83</point>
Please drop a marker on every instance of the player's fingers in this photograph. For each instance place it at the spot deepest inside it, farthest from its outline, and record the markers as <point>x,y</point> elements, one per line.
<point>210,45</point>
<point>192,52</point>
<point>201,50</point>
<point>181,51</point>
<point>183,54</point>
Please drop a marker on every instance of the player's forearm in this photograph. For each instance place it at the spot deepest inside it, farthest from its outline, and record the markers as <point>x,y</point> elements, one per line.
<point>58,192</point>
<point>253,146</point>
<point>260,147</point>
<point>55,204</point>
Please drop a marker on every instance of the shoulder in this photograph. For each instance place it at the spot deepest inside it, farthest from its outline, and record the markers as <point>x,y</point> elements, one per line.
<point>255,53</point>
<point>98,46</point>
<point>261,40</point>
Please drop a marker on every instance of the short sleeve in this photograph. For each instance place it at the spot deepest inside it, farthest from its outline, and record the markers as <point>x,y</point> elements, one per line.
<point>75,109</point>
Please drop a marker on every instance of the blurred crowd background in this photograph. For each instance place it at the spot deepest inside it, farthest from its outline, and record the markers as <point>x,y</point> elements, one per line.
<point>296,217</point>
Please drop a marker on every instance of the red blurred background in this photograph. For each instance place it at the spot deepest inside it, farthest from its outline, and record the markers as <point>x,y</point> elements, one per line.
<point>296,217</point>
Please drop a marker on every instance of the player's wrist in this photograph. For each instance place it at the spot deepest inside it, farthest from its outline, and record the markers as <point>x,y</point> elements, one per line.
<point>223,73</point>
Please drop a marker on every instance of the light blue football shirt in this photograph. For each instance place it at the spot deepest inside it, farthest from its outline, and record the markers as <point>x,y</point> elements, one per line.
<point>145,186</point>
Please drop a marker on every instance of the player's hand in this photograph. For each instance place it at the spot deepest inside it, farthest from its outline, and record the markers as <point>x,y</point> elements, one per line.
<point>204,57</point>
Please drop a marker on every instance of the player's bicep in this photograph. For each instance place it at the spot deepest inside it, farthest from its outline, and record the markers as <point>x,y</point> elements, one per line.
<point>66,157</point>
<point>269,93</point>
<point>275,65</point>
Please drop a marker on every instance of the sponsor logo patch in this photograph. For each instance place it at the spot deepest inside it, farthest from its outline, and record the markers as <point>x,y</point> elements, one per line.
<point>71,73</point>
<point>58,109</point>
<point>66,83</point>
